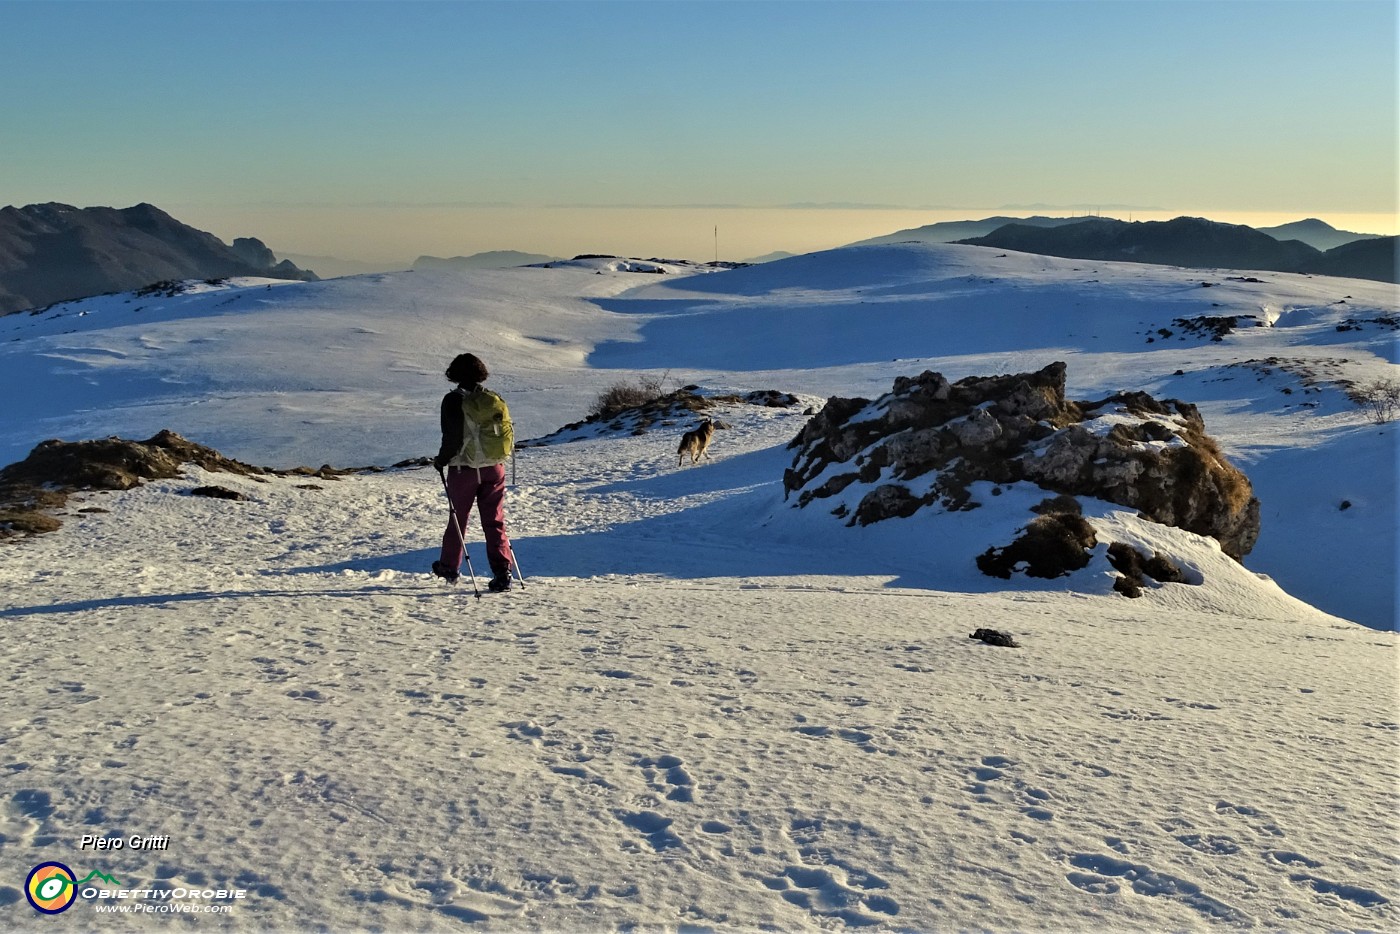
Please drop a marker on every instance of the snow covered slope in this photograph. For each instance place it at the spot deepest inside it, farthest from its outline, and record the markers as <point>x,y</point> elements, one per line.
<point>347,371</point>
<point>707,710</point>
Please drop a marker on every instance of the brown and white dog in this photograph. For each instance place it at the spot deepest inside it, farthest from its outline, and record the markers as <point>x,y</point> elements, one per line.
<point>696,443</point>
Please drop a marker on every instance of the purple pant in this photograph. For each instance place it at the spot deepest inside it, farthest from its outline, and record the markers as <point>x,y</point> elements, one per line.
<point>486,487</point>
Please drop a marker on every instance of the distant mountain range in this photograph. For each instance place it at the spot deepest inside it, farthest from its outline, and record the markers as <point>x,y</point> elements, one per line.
<point>953,231</point>
<point>56,252</point>
<point>492,259</point>
<point>1315,233</point>
<point>1197,243</point>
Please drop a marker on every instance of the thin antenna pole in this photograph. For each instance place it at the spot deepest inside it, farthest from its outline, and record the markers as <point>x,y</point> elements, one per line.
<point>717,244</point>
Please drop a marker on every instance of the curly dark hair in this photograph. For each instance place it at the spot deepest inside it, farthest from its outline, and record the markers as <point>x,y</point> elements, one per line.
<point>467,369</point>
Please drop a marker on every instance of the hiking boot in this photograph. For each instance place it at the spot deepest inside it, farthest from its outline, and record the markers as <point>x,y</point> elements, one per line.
<point>500,583</point>
<point>448,574</point>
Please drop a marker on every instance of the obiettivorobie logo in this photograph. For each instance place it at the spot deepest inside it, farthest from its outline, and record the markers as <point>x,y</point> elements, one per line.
<point>52,887</point>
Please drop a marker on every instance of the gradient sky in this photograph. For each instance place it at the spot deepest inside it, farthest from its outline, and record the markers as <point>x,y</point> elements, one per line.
<point>309,120</point>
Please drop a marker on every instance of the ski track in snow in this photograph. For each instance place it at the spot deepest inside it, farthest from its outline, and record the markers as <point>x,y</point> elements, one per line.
<point>706,711</point>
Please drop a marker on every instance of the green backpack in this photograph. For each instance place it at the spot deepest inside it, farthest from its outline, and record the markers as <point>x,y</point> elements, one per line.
<point>488,437</point>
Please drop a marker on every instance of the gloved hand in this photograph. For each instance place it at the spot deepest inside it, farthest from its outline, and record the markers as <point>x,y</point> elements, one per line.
<point>439,463</point>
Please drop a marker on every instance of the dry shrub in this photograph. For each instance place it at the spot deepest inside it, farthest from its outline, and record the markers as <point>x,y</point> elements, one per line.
<point>1379,397</point>
<point>1050,546</point>
<point>624,395</point>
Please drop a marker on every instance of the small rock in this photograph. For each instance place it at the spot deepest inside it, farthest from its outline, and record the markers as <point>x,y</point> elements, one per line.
<point>218,492</point>
<point>996,637</point>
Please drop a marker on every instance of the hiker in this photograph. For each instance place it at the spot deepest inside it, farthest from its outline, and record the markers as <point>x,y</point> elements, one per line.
<point>476,440</point>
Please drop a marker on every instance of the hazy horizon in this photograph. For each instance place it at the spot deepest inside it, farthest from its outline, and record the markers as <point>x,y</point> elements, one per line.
<point>359,233</point>
<point>380,131</point>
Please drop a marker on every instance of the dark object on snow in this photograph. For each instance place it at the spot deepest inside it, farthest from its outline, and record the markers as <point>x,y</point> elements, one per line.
<point>1050,546</point>
<point>1128,560</point>
<point>1128,587</point>
<point>1135,567</point>
<point>1058,504</point>
<point>218,492</point>
<point>995,637</point>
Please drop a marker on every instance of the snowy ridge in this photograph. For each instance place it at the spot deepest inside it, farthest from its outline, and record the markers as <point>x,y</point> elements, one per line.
<point>708,710</point>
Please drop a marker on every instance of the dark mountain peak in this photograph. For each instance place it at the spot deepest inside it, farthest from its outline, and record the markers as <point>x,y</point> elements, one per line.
<point>50,212</point>
<point>56,252</point>
<point>254,252</point>
<point>146,211</point>
<point>1315,233</point>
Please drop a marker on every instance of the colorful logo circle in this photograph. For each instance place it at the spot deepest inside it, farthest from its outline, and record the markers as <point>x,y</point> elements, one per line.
<point>50,888</point>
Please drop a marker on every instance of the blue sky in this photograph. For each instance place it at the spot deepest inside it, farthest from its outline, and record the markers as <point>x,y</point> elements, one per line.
<point>1196,106</point>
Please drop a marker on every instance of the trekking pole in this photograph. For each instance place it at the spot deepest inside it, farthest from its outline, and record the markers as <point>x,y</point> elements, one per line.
<point>452,511</point>
<point>515,563</point>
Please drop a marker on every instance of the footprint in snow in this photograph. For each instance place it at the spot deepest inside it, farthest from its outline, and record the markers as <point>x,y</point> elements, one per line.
<point>654,827</point>
<point>667,774</point>
<point>824,891</point>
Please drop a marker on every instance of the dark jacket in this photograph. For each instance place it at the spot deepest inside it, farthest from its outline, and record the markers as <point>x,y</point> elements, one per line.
<point>450,416</point>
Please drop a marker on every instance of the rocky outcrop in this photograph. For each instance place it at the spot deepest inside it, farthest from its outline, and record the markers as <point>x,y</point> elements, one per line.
<point>31,489</point>
<point>254,252</point>
<point>927,442</point>
<point>116,463</point>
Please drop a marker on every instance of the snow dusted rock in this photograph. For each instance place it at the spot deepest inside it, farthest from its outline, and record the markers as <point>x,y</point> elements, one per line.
<point>926,442</point>
<point>116,463</point>
<point>30,489</point>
